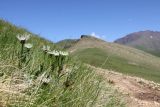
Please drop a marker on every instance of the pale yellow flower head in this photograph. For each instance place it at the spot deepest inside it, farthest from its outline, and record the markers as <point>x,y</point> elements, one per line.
<point>23,37</point>
<point>46,48</point>
<point>28,45</point>
<point>54,52</point>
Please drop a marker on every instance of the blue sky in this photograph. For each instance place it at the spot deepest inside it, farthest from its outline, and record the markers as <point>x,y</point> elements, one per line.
<point>60,19</point>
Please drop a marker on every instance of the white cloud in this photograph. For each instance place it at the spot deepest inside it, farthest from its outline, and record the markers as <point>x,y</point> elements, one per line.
<point>98,36</point>
<point>93,34</point>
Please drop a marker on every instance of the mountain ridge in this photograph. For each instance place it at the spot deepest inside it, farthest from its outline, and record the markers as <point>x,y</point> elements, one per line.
<point>148,41</point>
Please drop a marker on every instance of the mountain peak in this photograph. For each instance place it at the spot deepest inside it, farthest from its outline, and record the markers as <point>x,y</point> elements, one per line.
<point>148,41</point>
<point>91,37</point>
<point>86,36</point>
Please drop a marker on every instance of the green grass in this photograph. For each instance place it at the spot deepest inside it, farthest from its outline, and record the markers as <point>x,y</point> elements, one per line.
<point>78,85</point>
<point>153,52</point>
<point>101,58</point>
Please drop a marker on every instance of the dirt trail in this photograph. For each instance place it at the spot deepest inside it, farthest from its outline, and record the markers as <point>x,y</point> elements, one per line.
<point>137,92</point>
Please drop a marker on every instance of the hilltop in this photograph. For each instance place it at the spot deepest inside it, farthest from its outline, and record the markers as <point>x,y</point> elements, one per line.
<point>68,43</point>
<point>117,57</point>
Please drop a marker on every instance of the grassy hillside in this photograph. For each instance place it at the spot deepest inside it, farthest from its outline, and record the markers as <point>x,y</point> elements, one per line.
<point>148,41</point>
<point>31,77</point>
<point>118,58</point>
<point>67,43</point>
<point>8,33</point>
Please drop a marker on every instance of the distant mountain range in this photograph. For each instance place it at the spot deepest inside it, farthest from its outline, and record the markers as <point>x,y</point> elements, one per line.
<point>148,41</point>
